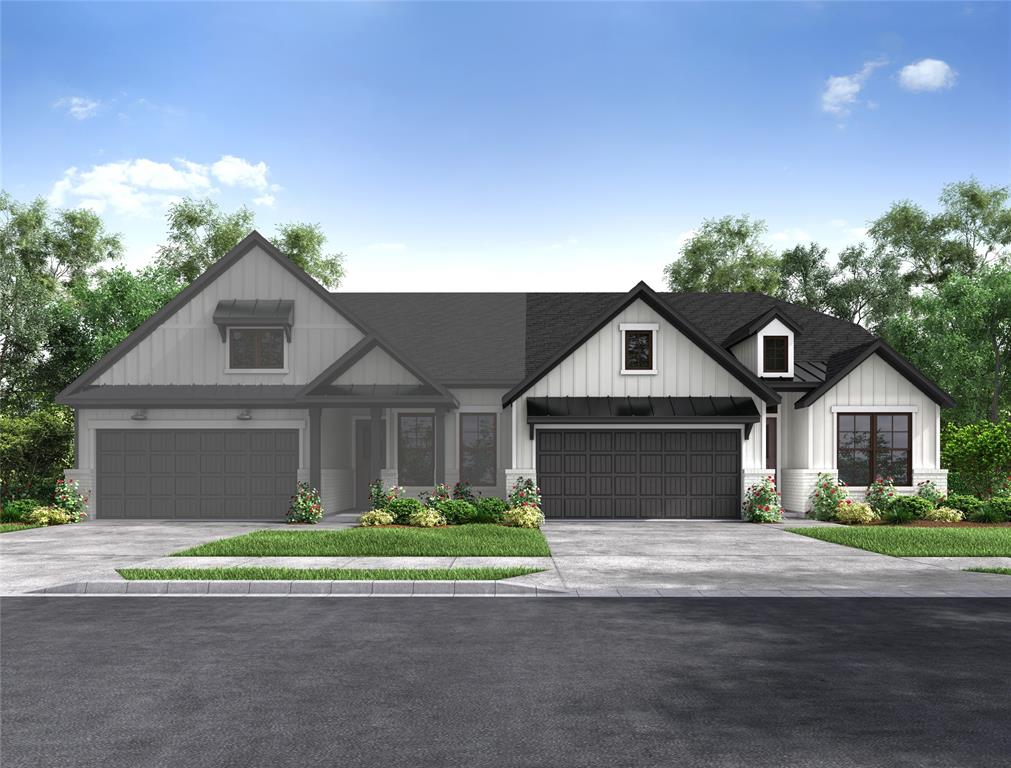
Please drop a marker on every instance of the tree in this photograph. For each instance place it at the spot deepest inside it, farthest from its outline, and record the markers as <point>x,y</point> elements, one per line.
<point>867,287</point>
<point>199,234</point>
<point>973,229</point>
<point>805,276</point>
<point>726,254</point>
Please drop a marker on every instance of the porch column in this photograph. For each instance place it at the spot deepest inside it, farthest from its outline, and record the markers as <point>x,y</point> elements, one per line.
<point>440,445</point>
<point>315,448</point>
<point>376,461</point>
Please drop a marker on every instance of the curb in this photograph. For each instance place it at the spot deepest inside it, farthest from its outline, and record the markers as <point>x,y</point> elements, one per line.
<point>301,588</point>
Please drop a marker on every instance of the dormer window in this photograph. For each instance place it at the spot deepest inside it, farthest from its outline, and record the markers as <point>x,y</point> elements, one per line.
<point>776,354</point>
<point>638,348</point>
<point>256,349</point>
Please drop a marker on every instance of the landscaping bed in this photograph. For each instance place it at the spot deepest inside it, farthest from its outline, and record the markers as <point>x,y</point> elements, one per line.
<point>919,540</point>
<point>477,540</point>
<point>11,527</point>
<point>1001,571</point>
<point>241,573</point>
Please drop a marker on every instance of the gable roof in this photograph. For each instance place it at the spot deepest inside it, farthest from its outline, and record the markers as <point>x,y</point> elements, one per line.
<point>644,293</point>
<point>846,363</point>
<point>756,324</point>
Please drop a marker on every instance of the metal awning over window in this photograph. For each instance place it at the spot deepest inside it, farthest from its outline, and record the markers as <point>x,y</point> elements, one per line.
<point>252,313</point>
<point>643,410</point>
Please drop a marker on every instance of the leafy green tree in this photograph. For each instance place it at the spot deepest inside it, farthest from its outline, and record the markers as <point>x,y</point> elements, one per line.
<point>726,254</point>
<point>978,455</point>
<point>805,276</point>
<point>867,287</point>
<point>34,449</point>
<point>199,234</point>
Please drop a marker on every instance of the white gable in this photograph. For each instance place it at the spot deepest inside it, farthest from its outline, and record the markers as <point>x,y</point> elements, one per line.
<point>750,351</point>
<point>187,348</point>
<point>376,367</point>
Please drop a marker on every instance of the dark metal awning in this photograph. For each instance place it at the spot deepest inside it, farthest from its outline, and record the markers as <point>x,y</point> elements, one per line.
<point>239,313</point>
<point>643,410</point>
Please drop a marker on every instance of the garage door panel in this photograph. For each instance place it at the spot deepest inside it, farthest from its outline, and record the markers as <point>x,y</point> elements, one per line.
<point>601,464</point>
<point>624,463</point>
<point>574,441</point>
<point>700,441</point>
<point>601,485</point>
<point>650,441</point>
<point>161,464</point>
<point>625,441</point>
<point>110,463</point>
<point>675,441</point>
<point>162,440</point>
<point>574,463</point>
<point>186,463</point>
<point>650,464</point>
<point>601,441</point>
<point>701,463</point>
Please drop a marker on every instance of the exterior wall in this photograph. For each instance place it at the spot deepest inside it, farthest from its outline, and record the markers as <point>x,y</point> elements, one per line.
<point>336,476</point>
<point>376,367</point>
<point>187,347</point>
<point>747,353</point>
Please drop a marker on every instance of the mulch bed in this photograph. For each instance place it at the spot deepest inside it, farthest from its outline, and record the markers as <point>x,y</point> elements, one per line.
<point>938,524</point>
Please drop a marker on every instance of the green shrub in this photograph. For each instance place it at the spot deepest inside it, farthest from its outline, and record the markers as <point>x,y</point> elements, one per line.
<point>16,510</point>
<point>379,496</point>
<point>916,505</point>
<point>526,516</point>
<point>490,510</point>
<point>761,502</point>
<point>426,518</point>
<point>851,512</point>
<point>880,494</point>
<point>928,490</point>
<point>967,505</point>
<point>456,511</point>
<point>34,451</point>
<point>463,492</point>
<point>306,505</point>
<point>47,516</point>
<point>896,514</point>
<point>524,493</point>
<point>978,456</point>
<point>827,495</point>
<point>943,515</point>
<point>375,517</point>
<point>995,510</point>
<point>402,509</point>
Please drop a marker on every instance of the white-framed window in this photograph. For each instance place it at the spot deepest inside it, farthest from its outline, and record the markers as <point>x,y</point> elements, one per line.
<point>639,349</point>
<point>257,350</point>
<point>775,351</point>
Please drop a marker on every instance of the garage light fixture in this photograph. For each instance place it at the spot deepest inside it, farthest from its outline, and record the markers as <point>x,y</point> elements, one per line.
<point>139,415</point>
<point>244,415</point>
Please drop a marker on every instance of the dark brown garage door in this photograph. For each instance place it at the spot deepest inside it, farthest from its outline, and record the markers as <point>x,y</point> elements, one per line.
<point>208,474</point>
<point>639,473</point>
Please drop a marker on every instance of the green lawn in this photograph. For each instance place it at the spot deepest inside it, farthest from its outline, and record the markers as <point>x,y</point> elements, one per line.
<point>11,527</point>
<point>455,541</point>
<point>900,541</point>
<point>323,574</point>
<point>1002,571</point>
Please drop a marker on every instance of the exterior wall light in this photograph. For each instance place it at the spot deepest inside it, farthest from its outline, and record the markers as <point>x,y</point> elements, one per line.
<point>244,415</point>
<point>140,414</point>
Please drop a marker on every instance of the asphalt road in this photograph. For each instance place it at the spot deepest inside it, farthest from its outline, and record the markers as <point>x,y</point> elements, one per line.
<point>502,682</point>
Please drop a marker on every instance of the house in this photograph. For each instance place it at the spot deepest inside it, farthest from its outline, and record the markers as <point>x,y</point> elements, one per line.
<point>640,404</point>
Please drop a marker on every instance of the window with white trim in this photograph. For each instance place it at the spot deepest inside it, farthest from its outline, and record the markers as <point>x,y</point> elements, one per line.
<point>638,348</point>
<point>257,349</point>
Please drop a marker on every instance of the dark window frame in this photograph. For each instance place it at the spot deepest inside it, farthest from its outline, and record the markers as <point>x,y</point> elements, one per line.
<point>766,367</point>
<point>401,480</point>
<point>259,367</point>
<point>652,350</point>
<point>873,448</point>
<point>494,452</point>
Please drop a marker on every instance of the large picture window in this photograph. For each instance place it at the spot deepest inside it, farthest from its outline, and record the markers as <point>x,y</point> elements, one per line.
<point>416,449</point>
<point>477,448</point>
<point>256,349</point>
<point>874,445</point>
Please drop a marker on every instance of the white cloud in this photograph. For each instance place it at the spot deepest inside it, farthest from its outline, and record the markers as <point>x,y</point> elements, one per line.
<point>78,107</point>
<point>387,247</point>
<point>235,172</point>
<point>927,75</point>
<point>267,201</point>
<point>838,223</point>
<point>841,91</point>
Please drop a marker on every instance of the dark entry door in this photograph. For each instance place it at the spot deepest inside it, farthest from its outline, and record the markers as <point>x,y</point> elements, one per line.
<point>363,456</point>
<point>639,473</point>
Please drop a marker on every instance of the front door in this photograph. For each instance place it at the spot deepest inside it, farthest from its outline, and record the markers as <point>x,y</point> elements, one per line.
<point>363,456</point>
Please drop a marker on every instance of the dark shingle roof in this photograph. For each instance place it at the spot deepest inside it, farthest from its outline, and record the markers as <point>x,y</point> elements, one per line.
<point>500,338</point>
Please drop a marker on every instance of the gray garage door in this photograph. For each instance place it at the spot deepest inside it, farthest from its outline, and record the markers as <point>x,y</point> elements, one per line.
<point>209,474</point>
<point>639,473</point>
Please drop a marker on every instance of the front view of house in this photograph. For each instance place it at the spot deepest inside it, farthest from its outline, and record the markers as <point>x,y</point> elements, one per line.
<point>622,406</point>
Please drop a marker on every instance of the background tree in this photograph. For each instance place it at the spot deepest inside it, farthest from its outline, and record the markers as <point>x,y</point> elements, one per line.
<point>805,276</point>
<point>867,287</point>
<point>726,254</point>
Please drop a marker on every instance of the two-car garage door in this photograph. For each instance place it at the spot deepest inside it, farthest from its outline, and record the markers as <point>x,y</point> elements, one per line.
<point>236,474</point>
<point>639,473</point>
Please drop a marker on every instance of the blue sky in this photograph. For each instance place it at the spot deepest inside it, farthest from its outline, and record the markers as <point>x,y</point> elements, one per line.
<point>504,146</point>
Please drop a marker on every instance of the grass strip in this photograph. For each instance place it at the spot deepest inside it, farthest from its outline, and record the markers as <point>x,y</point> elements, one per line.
<point>900,541</point>
<point>455,541</point>
<point>11,527</point>
<point>252,573</point>
<point>1002,571</point>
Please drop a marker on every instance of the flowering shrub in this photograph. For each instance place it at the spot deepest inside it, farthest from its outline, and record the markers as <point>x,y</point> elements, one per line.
<point>828,494</point>
<point>524,516</point>
<point>761,502</point>
<point>48,516</point>
<point>426,518</point>
<point>463,492</point>
<point>456,511</point>
<point>525,493</point>
<point>880,494</point>
<point>305,506</point>
<point>490,510</point>
<point>379,496</point>
<point>928,490</point>
<point>69,498</point>
<point>432,498</point>
<point>402,509</point>
<point>375,517</point>
<point>943,515</point>
<point>852,512</point>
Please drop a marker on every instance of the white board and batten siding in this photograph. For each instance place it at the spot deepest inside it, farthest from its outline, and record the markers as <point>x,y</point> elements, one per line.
<point>376,367</point>
<point>187,348</point>
<point>594,370</point>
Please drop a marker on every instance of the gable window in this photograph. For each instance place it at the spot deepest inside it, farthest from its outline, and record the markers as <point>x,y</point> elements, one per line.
<point>416,449</point>
<point>638,347</point>
<point>874,445</point>
<point>478,448</point>
<point>256,349</point>
<point>775,354</point>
